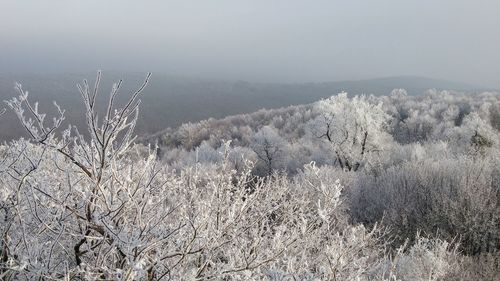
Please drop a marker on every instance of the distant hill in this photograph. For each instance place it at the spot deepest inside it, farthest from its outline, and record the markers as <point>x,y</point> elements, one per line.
<point>170,101</point>
<point>415,85</point>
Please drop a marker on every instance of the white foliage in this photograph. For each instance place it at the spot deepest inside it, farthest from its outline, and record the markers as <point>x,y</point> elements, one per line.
<point>78,208</point>
<point>354,127</point>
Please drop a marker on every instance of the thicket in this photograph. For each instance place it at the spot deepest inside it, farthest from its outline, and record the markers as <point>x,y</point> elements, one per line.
<point>348,188</point>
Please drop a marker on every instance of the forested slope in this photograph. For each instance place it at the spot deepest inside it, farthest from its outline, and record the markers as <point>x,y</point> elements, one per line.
<point>393,187</point>
<point>170,101</point>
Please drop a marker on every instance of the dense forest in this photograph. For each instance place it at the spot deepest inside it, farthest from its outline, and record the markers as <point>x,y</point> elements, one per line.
<point>351,187</point>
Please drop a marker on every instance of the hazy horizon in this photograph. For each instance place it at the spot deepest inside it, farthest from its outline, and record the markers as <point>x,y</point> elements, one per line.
<point>120,74</point>
<point>257,41</point>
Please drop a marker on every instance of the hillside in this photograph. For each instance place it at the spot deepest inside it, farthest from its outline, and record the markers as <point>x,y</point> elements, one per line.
<point>345,188</point>
<point>170,101</point>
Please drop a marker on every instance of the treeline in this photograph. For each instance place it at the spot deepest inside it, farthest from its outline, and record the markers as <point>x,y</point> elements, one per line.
<point>464,122</point>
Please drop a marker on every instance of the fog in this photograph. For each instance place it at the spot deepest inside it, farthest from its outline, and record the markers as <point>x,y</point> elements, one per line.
<point>258,40</point>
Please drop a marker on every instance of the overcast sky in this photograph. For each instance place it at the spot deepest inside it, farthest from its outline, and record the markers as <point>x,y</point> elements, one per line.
<point>256,40</point>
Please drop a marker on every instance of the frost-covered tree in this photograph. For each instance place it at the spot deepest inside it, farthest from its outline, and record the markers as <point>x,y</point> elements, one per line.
<point>269,148</point>
<point>354,127</point>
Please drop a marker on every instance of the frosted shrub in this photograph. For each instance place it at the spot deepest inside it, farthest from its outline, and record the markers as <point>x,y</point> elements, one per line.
<point>455,196</point>
<point>427,259</point>
<point>148,223</point>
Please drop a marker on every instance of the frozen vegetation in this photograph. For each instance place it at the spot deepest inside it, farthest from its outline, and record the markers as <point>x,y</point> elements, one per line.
<point>393,187</point>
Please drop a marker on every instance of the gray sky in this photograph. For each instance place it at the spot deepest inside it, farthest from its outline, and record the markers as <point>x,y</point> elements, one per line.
<point>256,40</point>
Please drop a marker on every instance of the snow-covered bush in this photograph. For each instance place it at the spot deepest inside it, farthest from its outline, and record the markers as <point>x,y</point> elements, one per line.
<point>427,259</point>
<point>146,222</point>
<point>455,196</point>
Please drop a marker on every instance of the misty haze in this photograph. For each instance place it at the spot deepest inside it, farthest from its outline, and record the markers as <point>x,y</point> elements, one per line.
<point>250,140</point>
